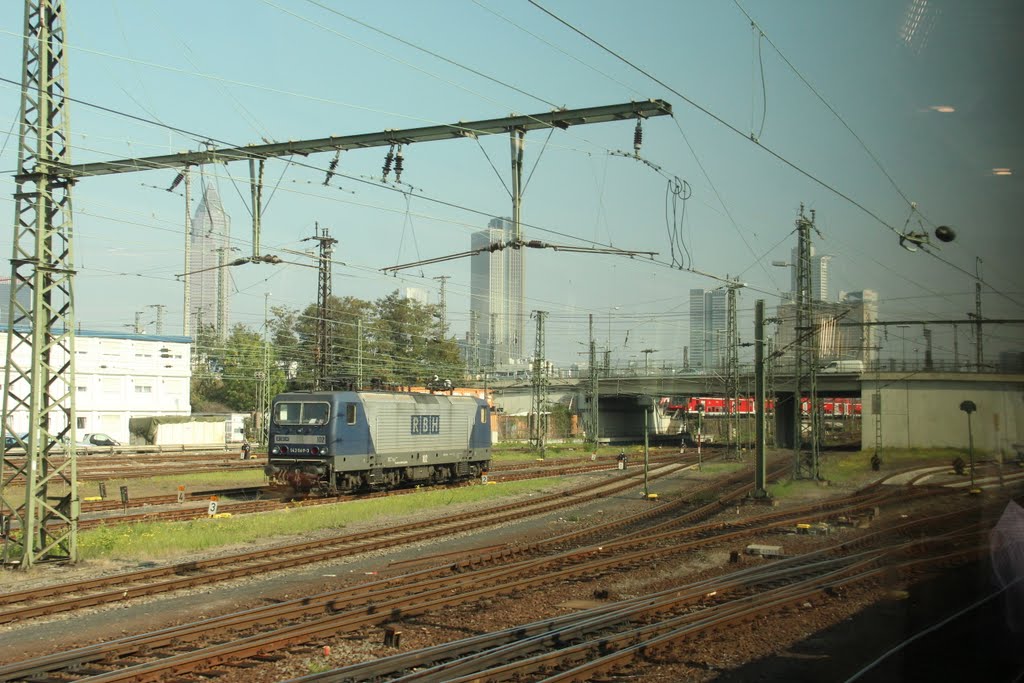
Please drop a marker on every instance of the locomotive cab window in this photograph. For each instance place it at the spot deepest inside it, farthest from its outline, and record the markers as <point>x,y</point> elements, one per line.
<point>315,413</point>
<point>300,413</point>
<point>483,415</point>
<point>350,413</point>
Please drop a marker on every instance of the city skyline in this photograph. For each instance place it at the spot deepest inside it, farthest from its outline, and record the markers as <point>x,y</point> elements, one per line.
<point>927,118</point>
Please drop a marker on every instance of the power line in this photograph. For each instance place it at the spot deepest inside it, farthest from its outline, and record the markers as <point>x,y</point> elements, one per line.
<point>777,155</point>
<point>822,100</point>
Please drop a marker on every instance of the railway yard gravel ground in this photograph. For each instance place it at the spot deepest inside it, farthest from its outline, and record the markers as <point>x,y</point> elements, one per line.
<point>823,641</point>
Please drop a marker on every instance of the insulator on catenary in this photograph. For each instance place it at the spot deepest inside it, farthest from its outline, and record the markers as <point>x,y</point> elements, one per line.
<point>638,137</point>
<point>330,168</point>
<point>398,165</point>
<point>177,180</point>
<point>388,160</point>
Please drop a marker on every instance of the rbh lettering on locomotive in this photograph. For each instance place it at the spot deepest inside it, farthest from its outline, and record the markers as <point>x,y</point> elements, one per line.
<point>424,424</point>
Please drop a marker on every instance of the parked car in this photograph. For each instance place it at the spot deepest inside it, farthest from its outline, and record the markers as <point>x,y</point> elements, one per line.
<point>98,439</point>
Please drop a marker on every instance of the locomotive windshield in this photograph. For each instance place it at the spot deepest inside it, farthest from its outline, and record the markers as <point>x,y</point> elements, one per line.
<point>301,413</point>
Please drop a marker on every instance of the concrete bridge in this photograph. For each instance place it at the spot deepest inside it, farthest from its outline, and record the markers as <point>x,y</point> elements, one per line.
<point>915,409</point>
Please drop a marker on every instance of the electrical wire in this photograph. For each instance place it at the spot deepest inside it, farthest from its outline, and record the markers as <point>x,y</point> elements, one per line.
<point>723,122</point>
<point>764,88</point>
<point>825,102</point>
<point>431,53</point>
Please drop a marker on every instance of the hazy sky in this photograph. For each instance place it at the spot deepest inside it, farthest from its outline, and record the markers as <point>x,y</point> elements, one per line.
<point>240,72</point>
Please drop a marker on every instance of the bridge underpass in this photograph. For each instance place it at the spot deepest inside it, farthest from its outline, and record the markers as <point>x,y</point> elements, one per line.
<point>621,418</point>
<point>916,410</point>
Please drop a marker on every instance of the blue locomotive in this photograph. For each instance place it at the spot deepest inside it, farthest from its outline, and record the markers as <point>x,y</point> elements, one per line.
<point>343,441</point>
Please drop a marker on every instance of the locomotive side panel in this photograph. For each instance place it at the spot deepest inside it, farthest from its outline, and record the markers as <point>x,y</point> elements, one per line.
<point>402,425</point>
<point>352,440</point>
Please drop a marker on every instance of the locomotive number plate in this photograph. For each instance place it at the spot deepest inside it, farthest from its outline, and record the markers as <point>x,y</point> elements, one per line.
<point>425,424</point>
<point>300,439</point>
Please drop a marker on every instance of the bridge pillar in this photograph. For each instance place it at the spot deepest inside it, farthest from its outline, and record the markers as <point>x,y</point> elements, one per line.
<point>784,406</point>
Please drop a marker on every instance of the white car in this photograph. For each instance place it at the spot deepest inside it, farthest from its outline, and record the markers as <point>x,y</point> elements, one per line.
<point>98,439</point>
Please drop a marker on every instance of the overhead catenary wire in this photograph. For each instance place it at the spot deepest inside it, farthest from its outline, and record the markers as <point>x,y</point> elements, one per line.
<point>831,188</point>
<point>286,166</point>
<point>484,213</point>
<point>763,36</point>
<point>424,50</point>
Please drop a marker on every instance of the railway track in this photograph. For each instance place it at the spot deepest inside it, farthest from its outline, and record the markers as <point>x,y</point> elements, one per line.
<point>260,635</point>
<point>266,498</point>
<point>606,640</point>
<point>57,599</point>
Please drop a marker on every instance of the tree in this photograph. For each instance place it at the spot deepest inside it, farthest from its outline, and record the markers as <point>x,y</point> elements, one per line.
<point>206,367</point>
<point>243,363</point>
<point>406,345</point>
<point>400,342</point>
<point>289,346</point>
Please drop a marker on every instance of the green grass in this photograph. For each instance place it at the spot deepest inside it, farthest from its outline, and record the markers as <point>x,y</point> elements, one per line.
<point>792,489</point>
<point>518,452</point>
<point>719,467</point>
<point>856,466</point>
<point>162,540</point>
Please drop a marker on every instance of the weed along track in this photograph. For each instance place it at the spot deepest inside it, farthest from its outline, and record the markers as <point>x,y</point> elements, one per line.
<point>57,599</point>
<point>194,505</point>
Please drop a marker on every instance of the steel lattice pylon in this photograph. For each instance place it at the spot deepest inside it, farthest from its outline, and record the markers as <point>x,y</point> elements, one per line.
<point>805,465</point>
<point>539,426</point>
<point>324,378</point>
<point>732,377</point>
<point>593,392</point>
<point>38,406</point>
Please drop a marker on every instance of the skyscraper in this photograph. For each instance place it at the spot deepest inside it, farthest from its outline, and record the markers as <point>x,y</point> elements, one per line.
<point>708,325</point>
<point>836,338</point>
<point>861,342</point>
<point>417,294</point>
<point>496,300</point>
<point>819,274</point>
<point>211,230</point>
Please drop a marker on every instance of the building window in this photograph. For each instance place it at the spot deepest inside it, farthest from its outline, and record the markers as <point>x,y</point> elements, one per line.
<point>143,389</point>
<point>81,390</point>
<point>80,422</point>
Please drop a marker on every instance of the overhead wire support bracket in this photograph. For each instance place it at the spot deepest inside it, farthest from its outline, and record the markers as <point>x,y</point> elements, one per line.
<point>562,118</point>
<point>520,244</point>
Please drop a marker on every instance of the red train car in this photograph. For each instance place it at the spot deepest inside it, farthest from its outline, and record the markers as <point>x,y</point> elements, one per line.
<point>718,405</point>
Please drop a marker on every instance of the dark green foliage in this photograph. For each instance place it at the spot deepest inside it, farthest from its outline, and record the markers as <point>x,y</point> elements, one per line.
<point>400,343</point>
<point>228,372</point>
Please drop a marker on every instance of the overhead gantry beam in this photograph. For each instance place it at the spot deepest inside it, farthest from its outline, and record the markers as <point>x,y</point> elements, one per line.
<point>564,118</point>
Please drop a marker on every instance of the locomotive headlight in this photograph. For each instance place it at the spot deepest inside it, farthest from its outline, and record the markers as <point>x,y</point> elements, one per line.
<point>323,451</point>
<point>275,451</point>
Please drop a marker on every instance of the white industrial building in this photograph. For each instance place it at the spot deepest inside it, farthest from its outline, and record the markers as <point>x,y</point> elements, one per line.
<point>121,376</point>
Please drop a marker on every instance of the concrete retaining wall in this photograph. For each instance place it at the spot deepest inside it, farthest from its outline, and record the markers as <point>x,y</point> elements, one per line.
<point>924,411</point>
